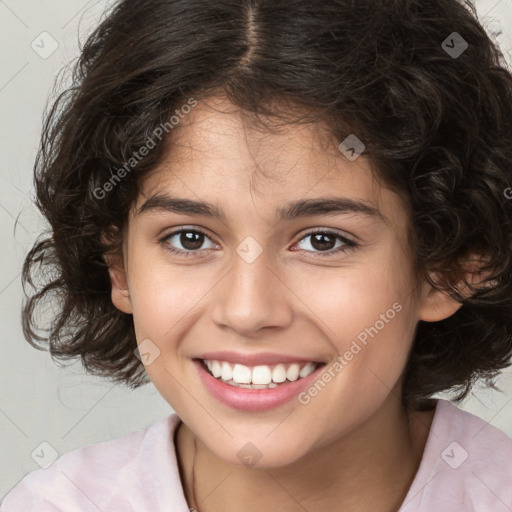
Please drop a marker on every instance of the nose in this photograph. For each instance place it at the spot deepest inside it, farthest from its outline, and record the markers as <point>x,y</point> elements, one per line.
<point>252,297</point>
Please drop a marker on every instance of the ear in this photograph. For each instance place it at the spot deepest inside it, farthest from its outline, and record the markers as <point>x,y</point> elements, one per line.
<point>437,305</point>
<point>118,278</point>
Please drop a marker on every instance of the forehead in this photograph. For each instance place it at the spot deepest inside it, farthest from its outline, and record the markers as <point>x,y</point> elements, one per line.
<point>218,131</point>
<point>218,155</point>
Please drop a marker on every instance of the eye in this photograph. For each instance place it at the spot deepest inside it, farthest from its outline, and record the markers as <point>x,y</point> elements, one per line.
<point>190,240</point>
<point>324,242</point>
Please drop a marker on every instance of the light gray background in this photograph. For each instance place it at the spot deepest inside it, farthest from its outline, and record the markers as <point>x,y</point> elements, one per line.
<point>40,401</point>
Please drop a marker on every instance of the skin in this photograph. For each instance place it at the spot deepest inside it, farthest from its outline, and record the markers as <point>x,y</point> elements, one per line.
<point>353,446</point>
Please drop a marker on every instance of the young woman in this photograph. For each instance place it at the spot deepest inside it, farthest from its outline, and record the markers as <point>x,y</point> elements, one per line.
<point>292,218</point>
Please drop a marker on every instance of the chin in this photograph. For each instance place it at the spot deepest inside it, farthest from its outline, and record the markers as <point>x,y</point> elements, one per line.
<point>259,453</point>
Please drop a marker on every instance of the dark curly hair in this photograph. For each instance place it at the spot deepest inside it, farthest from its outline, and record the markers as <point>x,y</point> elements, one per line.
<point>435,117</point>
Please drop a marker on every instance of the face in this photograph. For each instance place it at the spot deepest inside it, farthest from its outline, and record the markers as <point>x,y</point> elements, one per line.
<point>272,283</point>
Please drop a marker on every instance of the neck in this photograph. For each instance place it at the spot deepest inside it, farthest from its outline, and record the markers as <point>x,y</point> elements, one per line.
<point>371,468</point>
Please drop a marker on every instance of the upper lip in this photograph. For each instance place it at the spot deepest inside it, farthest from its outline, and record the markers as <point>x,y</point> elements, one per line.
<point>262,358</point>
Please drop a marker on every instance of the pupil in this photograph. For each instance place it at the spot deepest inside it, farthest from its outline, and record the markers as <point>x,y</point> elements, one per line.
<point>187,240</point>
<point>317,243</point>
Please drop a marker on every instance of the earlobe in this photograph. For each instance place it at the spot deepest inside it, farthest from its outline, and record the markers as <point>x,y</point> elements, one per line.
<point>437,305</point>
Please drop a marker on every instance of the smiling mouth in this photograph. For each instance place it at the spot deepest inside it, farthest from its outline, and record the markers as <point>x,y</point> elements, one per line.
<point>260,376</point>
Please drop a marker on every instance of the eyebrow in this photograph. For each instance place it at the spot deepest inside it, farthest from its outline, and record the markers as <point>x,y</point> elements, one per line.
<point>292,210</point>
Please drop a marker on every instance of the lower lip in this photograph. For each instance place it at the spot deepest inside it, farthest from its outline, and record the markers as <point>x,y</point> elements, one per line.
<point>253,399</point>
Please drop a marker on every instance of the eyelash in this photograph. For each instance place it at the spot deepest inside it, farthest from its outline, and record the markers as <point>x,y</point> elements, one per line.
<point>348,244</point>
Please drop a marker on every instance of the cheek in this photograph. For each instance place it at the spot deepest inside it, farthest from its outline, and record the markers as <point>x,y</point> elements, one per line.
<point>368,315</point>
<point>348,300</point>
<point>369,323</point>
<point>168,302</point>
<point>163,294</point>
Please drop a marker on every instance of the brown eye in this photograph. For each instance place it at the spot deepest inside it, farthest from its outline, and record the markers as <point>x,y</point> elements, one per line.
<point>323,241</point>
<point>189,241</point>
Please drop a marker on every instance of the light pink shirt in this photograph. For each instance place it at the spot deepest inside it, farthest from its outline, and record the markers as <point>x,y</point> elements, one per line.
<point>466,467</point>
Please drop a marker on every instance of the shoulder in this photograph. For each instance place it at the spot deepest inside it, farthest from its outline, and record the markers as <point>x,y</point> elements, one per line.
<point>120,474</point>
<point>466,465</point>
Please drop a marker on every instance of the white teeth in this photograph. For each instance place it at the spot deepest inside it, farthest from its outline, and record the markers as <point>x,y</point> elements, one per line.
<point>307,370</point>
<point>252,386</point>
<point>293,372</point>
<point>261,376</point>
<point>227,371</point>
<point>279,373</point>
<point>215,369</point>
<point>241,374</point>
